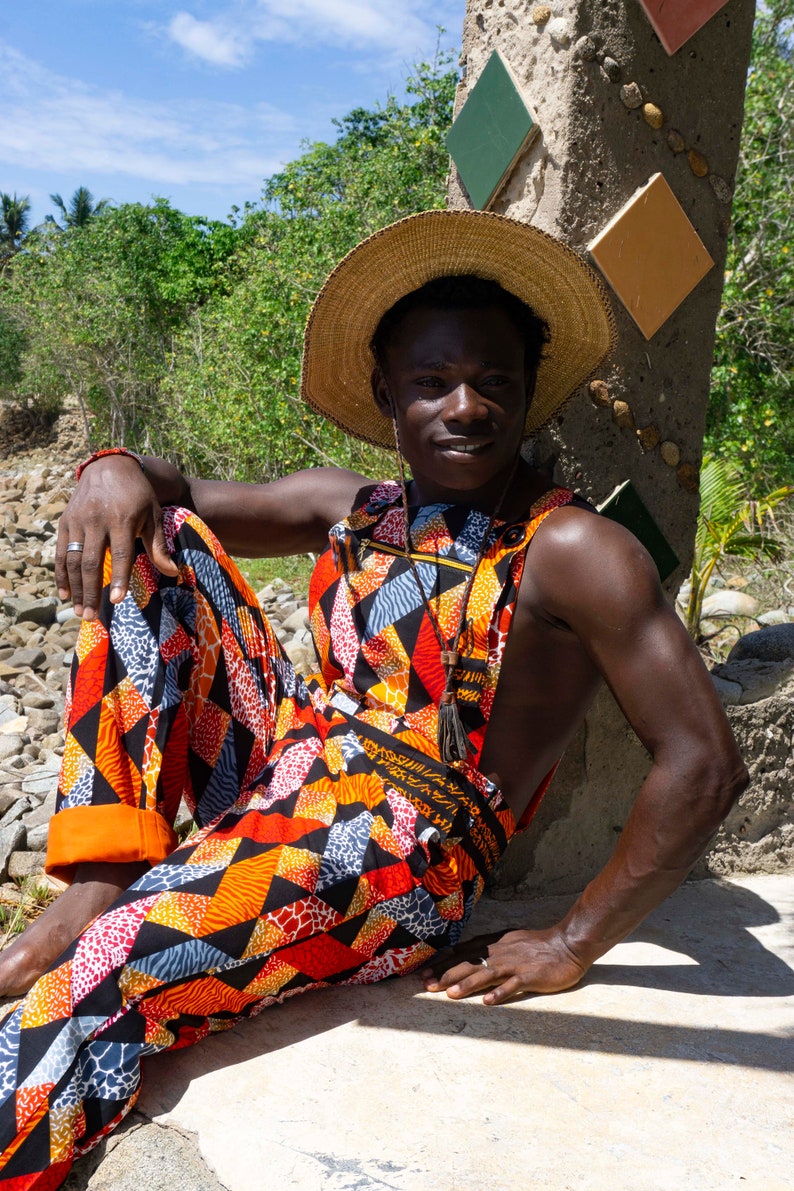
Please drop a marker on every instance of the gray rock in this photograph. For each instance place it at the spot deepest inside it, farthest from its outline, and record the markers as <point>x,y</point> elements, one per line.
<point>11,745</point>
<point>8,796</point>
<point>38,699</point>
<point>11,838</point>
<point>41,783</point>
<point>42,813</point>
<point>774,616</point>
<point>18,808</point>
<point>30,658</point>
<point>772,644</point>
<point>65,614</point>
<point>142,1154</point>
<point>729,692</point>
<point>40,611</point>
<point>37,838</point>
<point>43,722</point>
<point>25,864</point>
<point>758,680</point>
<point>299,619</point>
<point>611,69</point>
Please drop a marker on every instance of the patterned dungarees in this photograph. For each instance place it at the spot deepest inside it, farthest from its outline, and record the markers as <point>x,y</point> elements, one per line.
<point>336,847</point>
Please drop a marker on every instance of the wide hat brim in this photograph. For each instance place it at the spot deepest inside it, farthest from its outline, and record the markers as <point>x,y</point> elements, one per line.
<point>545,273</point>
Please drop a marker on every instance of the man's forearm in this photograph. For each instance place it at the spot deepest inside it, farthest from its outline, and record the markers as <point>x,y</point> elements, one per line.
<point>667,831</point>
<point>170,486</point>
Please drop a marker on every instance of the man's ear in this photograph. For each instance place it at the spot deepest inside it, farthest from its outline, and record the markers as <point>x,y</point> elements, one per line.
<point>380,392</point>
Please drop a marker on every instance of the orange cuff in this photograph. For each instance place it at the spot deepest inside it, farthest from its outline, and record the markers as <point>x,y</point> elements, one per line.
<point>115,834</point>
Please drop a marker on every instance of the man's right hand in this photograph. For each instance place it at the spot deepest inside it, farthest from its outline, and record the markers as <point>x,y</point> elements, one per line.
<point>112,506</point>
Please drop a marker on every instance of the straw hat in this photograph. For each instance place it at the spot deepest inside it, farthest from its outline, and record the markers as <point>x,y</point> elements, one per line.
<point>550,277</point>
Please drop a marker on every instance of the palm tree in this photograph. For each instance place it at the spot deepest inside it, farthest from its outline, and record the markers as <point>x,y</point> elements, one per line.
<point>729,523</point>
<point>14,219</point>
<point>81,209</point>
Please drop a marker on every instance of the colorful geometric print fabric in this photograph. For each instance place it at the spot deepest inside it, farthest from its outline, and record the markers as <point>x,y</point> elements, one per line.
<point>379,653</point>
<point>342,854</point>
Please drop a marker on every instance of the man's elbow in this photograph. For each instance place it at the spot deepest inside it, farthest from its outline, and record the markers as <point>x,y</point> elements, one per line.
<point>720,778</point>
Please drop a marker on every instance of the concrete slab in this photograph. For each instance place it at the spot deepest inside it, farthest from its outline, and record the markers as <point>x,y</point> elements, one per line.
<point>670,1067</point>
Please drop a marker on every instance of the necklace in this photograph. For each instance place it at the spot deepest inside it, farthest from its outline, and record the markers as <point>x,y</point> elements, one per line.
<point>453,743</point>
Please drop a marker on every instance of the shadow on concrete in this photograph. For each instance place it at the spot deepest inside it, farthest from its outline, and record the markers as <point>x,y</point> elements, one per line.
<point>729,962</point>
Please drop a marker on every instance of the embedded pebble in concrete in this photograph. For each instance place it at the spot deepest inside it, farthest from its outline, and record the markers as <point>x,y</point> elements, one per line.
<point>697,163</point>
<point>652,115</point>
<point>675,141</point>
<point>37,639</point>
<point>670,453</point>
<point>541,13</point>
<point>631,95</point>
<point>599,393</point>
<point>611,69</point>
<point>721,188</point>
<point>649,437</point>
<point>559,31</point>
<point>621,412</point>
<point>586,48</point>
<point>688,477</point>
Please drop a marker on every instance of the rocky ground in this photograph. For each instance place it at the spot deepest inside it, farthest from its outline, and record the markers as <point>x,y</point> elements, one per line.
<point>37,639</point>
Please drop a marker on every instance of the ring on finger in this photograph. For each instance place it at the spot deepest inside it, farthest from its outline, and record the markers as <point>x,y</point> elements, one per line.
<point>74,547</point>
<point>483,961</point>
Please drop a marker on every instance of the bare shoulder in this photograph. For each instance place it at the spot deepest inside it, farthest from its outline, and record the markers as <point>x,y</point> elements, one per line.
<point>584,568</point>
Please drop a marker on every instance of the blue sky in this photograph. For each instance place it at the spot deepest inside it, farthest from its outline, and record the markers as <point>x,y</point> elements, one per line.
<point>196,101</point>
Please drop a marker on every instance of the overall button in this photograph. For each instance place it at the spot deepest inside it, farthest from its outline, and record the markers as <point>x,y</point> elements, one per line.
<point>514,535</point>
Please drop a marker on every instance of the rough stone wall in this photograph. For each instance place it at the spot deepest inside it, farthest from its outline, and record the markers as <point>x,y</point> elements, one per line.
<point>593,153</point>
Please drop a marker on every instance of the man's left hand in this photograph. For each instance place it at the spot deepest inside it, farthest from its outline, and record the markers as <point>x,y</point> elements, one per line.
<point>517,962</point>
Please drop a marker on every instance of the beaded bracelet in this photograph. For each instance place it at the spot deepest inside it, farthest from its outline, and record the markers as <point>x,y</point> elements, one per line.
<point>109,451</point>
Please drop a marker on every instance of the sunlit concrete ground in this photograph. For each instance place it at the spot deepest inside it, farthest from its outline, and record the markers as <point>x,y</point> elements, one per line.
<point>670,1067</point>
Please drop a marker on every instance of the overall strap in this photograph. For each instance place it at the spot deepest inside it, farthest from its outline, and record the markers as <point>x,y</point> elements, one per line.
<point>508,557</point>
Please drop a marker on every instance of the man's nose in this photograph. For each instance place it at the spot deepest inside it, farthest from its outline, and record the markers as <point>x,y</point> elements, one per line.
<point>465,404</point>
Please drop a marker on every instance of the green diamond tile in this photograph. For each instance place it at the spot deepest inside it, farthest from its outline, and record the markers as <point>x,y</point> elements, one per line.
<point>491,129</point>
<point>626,506</point>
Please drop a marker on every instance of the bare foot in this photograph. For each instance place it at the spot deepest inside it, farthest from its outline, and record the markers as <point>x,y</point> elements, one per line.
<point>95,887</point>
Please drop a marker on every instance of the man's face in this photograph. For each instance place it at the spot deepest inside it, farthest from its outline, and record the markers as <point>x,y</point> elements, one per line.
<point>460,390</point>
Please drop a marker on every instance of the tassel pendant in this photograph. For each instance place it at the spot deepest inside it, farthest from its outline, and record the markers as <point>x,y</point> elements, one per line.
<point>453,743</point>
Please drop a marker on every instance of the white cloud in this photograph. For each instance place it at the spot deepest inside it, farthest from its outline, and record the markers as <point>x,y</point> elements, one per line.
<point>207,40</point>
<point>60,124</point>
<point>394,30</point>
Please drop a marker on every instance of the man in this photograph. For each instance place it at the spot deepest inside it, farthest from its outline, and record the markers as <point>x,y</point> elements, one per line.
<point>464,623</point>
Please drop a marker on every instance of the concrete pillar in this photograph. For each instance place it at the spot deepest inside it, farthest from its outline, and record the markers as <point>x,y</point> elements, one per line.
<point>575,64</point>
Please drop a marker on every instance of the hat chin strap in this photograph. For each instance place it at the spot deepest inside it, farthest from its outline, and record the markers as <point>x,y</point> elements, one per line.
<point>454,745</point>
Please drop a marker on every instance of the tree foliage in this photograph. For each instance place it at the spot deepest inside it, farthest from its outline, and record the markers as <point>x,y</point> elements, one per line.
<point>183,336</point>
<point>730,522</point>
<point>239,355</point>
<point>80,210</point>
<point>750,416</point>
<point>14,221</point>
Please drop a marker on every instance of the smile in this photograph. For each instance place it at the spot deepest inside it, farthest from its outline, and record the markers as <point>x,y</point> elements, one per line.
<point>465,448</point>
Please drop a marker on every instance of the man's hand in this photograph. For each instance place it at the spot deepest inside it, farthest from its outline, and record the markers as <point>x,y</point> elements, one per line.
<point>112,505</point>
<point>518,962</point>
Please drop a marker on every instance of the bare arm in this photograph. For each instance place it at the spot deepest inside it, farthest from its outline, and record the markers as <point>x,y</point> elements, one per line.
<point>597,579</point>
<point>115,503</point>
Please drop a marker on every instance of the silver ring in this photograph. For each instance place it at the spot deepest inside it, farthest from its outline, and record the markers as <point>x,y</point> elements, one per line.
<point>74,547</point>
<point>483,961</point>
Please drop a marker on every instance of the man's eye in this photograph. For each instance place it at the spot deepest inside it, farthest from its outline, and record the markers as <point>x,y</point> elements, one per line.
<point>492,381</point>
